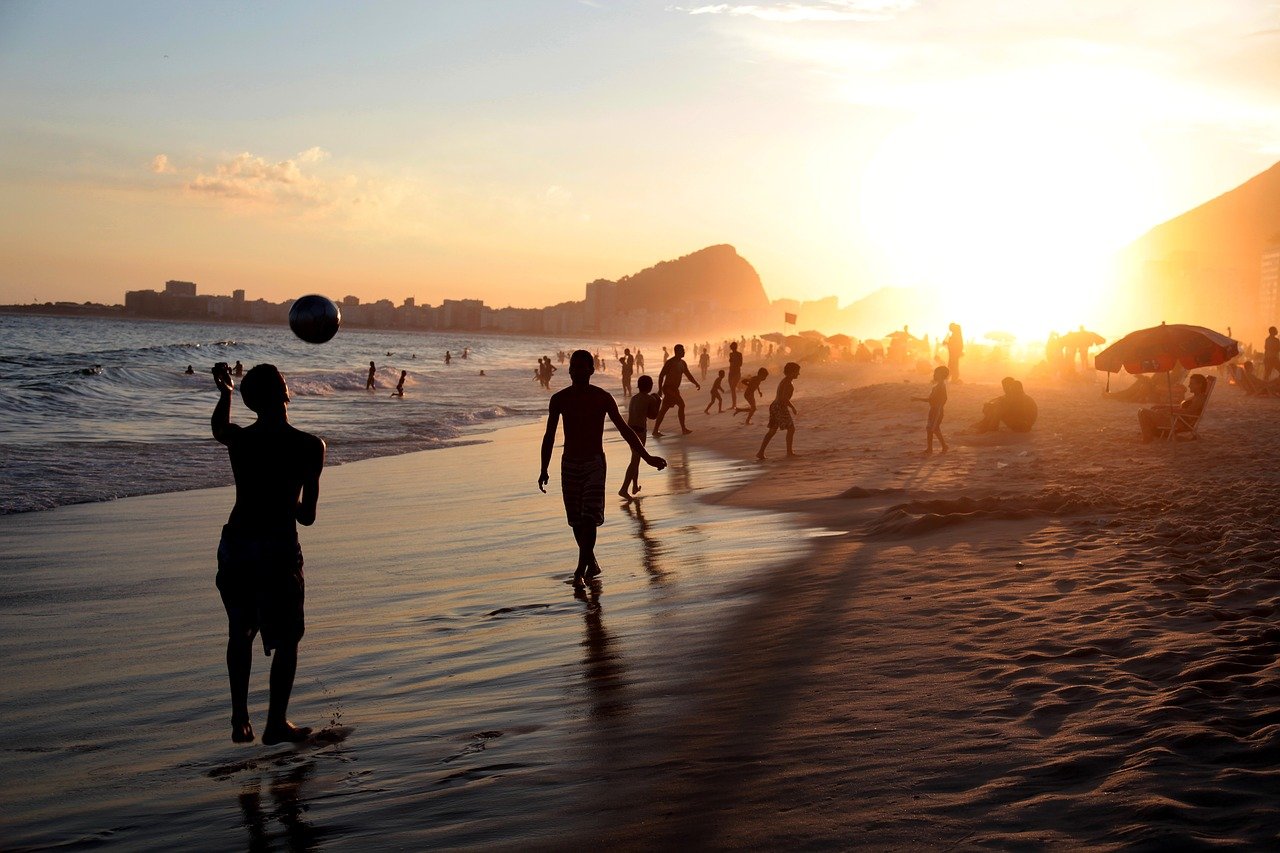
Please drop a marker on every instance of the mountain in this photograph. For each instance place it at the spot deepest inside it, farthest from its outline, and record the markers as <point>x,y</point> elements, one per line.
<point>716,276</point>
<point>1205,265</point>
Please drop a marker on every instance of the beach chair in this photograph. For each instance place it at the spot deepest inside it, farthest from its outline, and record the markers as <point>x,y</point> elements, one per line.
<point>1184,425</point>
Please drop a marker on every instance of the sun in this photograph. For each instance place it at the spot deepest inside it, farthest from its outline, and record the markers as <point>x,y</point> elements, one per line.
<point>1010,219</point>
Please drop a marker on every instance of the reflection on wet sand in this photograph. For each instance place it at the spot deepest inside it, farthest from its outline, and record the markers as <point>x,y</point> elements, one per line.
<point>651,546</point>
<point>602,666</point>
<point>288,809</point>
<point>679,479</point>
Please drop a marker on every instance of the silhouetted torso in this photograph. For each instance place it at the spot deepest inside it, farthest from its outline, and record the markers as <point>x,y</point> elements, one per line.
<point>271,463</point>
<point>583,409</point>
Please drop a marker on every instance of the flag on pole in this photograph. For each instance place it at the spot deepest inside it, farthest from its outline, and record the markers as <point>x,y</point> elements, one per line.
<point>789,318</point>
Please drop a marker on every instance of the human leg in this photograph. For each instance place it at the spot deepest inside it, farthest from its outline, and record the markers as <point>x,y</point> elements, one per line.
<point>791,435</point>
<point>768,436</point>
<point>239,665</point>
<point>284,666</point>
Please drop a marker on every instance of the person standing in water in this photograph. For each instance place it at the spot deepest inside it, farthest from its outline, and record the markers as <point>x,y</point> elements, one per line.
<point>628,366</point>
<point>399,392</point>
<point>704,362</point>
<point>781,410</point>
<point>277,475</point>
<point>937,401</point>
<point>673,370</point>
<point>582,464</point>
<point>368,382</point>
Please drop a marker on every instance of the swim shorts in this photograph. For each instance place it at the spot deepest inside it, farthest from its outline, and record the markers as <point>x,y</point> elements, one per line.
<point>780,416</point>
<point>260,579</point>
<point>935,419</point>
<point>671,399</point>
<point>582,482</point>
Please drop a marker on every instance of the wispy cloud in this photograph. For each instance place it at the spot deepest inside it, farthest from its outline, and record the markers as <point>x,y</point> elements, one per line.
<point>798,12</point>
<point>160,165</point>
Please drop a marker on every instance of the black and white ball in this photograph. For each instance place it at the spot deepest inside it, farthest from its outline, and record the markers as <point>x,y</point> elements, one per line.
<point>315,318</point>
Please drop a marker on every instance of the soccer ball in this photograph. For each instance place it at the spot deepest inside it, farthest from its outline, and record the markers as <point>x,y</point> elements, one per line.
<point>315,319</point>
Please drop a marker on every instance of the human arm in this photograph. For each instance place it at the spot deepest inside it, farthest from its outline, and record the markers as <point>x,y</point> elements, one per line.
<point>220,422</point>
<point>549,441</point>
<point>691,379</point>
<point>306,510</point>
<point>629,435</point>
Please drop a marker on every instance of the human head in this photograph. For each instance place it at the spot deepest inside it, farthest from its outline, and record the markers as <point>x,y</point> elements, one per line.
<point>940,373</point>
<point>263,389</point>
<point>645,384</point>
<point>791,370</point>
<point>371,364</point>
<point>626,351</point>
<point>955,327</point>
<point>1198,383</point>
<point>721,374</point>
<point>1008,384</point>
<point>679,350</point>
<point>1271,330</point>
<point>763,374</point>
<point>733,345</point>
<point>581,365</point>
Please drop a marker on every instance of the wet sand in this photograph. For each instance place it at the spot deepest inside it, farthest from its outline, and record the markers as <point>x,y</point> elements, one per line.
<point>464,690</point>
<point>1062,639</point>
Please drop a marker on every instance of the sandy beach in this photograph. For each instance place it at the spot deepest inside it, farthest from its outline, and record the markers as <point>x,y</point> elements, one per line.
<point>1060,639</point>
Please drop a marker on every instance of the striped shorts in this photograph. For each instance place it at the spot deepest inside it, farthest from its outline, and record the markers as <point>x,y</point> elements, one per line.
<point>582,481</point>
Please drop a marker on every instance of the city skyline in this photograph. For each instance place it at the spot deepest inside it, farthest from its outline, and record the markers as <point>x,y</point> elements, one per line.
<point>510,153</point>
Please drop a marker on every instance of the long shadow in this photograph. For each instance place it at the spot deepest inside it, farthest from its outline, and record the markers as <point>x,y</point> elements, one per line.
<point>651,547</point>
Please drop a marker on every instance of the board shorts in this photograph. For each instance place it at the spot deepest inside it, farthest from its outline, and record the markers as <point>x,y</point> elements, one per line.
<point>582,482</point>
<point>935,419</point>
<point>671,399</point>
<point>260,579</point>
<point>780,416</point>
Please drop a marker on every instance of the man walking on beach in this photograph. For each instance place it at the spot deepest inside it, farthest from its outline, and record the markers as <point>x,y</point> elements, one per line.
<point>673,370</point>
<point>277,473</point>
<point>582,464</point>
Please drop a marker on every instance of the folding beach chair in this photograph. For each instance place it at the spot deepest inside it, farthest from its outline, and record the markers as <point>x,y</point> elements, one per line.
<point>1184,425</point>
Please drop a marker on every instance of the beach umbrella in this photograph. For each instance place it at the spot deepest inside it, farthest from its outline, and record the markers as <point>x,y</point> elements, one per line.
<point>774,338</point>
<point>1158,349</point>
<point>840,340</point>
<point>813,335</point>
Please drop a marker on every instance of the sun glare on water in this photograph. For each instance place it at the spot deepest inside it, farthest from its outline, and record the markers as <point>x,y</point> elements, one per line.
<point>1009,221</point>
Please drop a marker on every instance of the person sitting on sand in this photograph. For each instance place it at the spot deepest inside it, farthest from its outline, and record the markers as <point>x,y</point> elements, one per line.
<point>368,382</point>
<point>582,464</point>
<point>1014,408</point>
<point>1159,419</point>
<point>642,407</point>
<point>781,410</point>
<point>717,395</point>
<point>399,392</point>
<point>937,401</point>
<point>673,370</point>
<point>1246,379</point>
<point>277,475</point>
<point>750,387</point>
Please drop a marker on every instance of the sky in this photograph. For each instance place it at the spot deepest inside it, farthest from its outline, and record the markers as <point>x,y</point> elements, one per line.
<point>513,151</point>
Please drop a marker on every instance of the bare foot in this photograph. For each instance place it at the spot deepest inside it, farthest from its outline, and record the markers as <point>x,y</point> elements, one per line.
<point>760,456</point>
<point>657,434</point>
<point>791,455</point>
<point>287,733</point>
<point>593,571</point>
<point>687,431</point>
<point>622,493</point>
<point>635,489</point>
<point>241,731</point>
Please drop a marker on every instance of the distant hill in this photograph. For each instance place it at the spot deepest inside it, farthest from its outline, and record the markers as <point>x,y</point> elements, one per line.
<point>717,275</point>
<point>1205,265</point>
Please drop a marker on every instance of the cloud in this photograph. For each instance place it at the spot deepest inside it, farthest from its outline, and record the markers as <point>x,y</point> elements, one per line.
<point>798,12</point>
<point>161,166</point>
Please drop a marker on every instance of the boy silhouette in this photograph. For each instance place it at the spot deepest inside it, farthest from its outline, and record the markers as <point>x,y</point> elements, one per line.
<point>582,464</point>
<point>277,473</point>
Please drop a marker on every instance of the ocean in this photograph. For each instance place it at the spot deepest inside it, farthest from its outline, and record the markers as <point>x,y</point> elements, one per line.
<point>94,409</point>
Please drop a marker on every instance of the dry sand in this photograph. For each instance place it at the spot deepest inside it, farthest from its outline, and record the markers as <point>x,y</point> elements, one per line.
<point>1065,638</point>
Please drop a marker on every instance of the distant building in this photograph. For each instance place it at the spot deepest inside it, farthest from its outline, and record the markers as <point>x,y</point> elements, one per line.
<point>461,313</point>
<point>1269,286</point>
<point>600,305</point>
